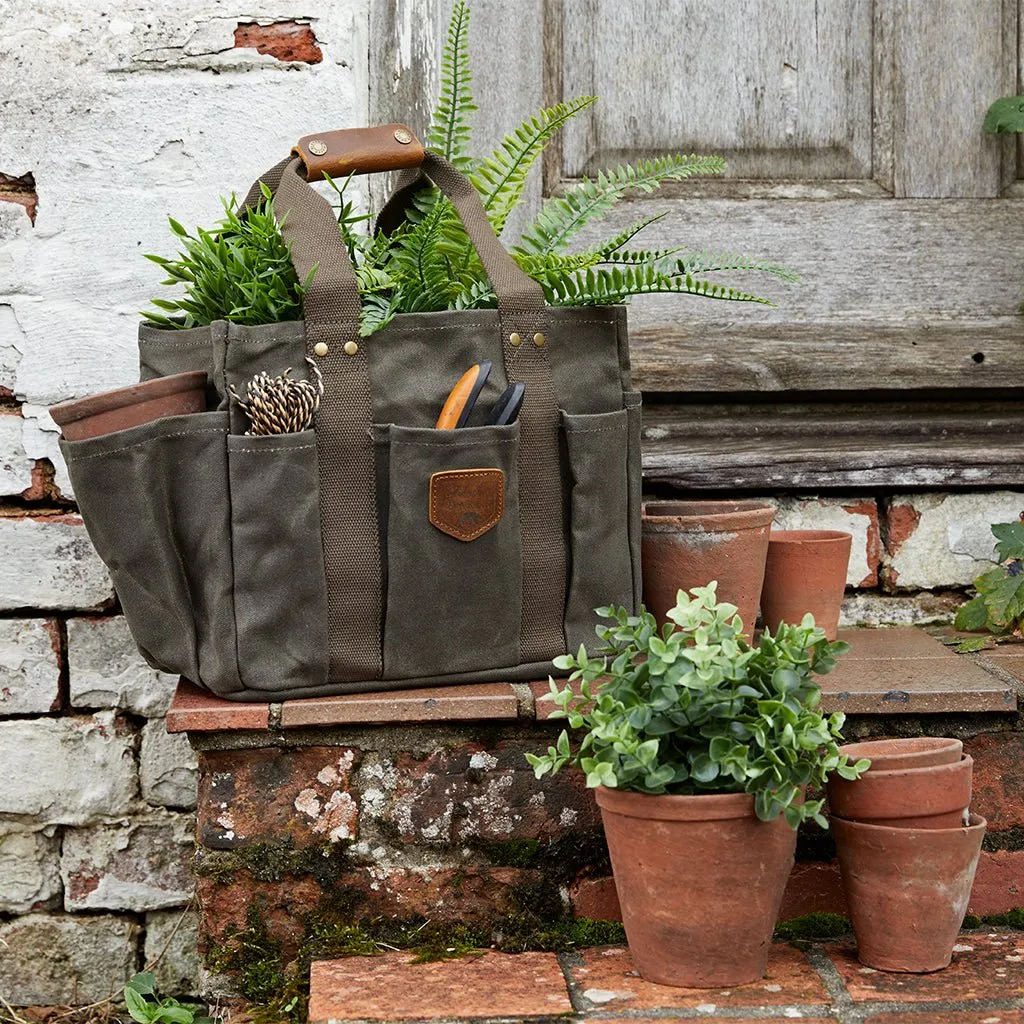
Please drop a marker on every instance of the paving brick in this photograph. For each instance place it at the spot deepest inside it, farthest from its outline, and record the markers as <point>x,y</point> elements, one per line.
<point>607,980</point>
<point>47,960</point>
<point>50,563</point>
<point>858,517</point>
<point>29,869</point>
<point>949,1016</point>
<point>392,988</point>
<point>475,793</point>
<point>247,796</point>
<point>29,666</point>
<point>944,540</point>
<point>194,709</point>
<point>107,671</point>
<point>172,940</point>
<point>168,770</point>
<point>437,704</point>
<point>68,771</point>
<point>145,864</point>
<point>984,966</point>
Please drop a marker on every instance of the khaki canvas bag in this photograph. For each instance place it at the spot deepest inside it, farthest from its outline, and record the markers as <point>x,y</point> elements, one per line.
<point>375,552</point>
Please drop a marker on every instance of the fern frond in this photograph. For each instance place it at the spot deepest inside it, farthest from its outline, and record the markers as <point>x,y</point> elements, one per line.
<point>501,178</point>
<point>449,131</point>
<point>539,265</point>
<point>704,263</point>
<point>626,236</point>
<point>562,217</point>
<point>601,286</point>
<point>479,295</point>
<point>636,257</point>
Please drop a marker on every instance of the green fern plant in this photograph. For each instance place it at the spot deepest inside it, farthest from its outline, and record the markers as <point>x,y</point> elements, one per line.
<point>240,270</point>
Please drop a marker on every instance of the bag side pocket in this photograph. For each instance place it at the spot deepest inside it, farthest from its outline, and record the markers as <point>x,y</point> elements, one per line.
<point>633,401</point>
<point>453,605</point>
<point>277,554</point>
<point>602,564</point>
<point>155,503</point>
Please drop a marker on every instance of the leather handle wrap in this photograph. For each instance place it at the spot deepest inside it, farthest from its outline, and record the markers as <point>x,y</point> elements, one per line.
<point>389,147</point>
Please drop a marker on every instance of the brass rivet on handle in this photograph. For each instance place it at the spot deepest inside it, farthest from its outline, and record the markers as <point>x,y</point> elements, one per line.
<point>317,147</point>
<point>351,348</point>
<point>539,339</point>
<point>403,136</point>
<point>320,348</point>
<point>515,340</point>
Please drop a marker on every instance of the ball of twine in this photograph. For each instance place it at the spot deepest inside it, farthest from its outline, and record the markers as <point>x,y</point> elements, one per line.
<point>281,405</point>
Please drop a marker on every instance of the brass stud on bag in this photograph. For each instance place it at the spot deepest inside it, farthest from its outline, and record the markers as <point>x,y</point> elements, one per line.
<point>317,147</point>
<point>515,340</point>
<point>351,348</point>
<point>320,348</point>
<point>403,136</point>
<point>539,339</point>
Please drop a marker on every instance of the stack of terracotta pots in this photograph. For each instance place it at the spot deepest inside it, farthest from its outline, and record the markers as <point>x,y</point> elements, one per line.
<point>908,849</point>
<point>787,573</point>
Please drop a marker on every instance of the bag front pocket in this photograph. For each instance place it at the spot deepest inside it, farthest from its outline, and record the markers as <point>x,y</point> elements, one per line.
<point>277,554</point>
<point>454,554</point>
<point>155,503</point>
<point>602,565</point>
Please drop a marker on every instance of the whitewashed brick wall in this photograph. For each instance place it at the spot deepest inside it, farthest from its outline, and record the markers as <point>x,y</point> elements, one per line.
<point>112,116</point>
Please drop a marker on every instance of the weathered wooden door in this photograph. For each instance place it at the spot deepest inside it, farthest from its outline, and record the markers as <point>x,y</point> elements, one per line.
<point>856,157</point>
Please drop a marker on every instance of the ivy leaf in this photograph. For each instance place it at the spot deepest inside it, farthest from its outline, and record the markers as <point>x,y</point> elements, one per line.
<point>1005,115</point>
<point>1005,600</point>
<point>1010,538</point>
<point>973,615</point>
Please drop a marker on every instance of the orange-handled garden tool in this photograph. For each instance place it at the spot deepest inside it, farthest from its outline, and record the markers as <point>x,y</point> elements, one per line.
<point>461,399</point>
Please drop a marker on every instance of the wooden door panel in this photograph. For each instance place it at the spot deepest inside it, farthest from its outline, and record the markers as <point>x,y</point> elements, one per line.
<point>781,88</point>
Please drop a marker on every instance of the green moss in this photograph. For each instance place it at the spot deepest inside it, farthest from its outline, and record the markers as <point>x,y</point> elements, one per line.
<point>272,862</point>
<point>513,853</point>
<point>1012,918</point>
<point>971,921</point>
<point>813,926</point>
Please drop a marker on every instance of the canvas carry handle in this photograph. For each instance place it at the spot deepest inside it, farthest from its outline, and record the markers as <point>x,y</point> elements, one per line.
<point>345,450</point>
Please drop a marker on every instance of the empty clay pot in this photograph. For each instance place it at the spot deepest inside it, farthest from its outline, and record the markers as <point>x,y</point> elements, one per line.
<point>805,572</point>
<point>176,395</point>
<point>913,752</point>
<point>688,544</point>
<point>935,797</point>
<point>907,890</point>
<point>700,882</point>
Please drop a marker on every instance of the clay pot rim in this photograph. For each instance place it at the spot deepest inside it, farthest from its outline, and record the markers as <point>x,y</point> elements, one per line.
<point>976,821</point>
<point>909,750</point>
<point>815,537</point>
<point>965,763</point>
<point>133,394</point>
<point>742,514</point>
<point>675,807</point>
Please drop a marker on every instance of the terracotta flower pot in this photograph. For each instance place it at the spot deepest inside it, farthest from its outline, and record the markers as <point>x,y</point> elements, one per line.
<point>935,797</point>
<point>913,752</point>
<point>688,544</point>
<point>700,882</point>
<point>805,572</point>
<point>907,889</point>
<point>176,395</point>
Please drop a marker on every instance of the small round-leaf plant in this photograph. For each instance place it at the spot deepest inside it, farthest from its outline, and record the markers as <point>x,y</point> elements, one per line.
<point>693,708</point>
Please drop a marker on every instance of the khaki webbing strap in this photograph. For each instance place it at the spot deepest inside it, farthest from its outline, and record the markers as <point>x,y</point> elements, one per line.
<point>344,447</point>
<point>522,311</point>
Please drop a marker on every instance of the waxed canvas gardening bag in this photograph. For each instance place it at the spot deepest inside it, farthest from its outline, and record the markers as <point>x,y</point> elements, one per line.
<point>375,551</point>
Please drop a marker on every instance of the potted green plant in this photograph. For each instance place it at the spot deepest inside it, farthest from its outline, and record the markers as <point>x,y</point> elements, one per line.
<point>701,748</point>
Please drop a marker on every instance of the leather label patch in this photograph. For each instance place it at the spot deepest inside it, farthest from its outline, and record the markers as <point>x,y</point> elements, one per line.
<point>466,503</point>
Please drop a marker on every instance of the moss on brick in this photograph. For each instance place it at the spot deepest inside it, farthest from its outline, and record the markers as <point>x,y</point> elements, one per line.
<point>822,925</point>
<point>275,861</point>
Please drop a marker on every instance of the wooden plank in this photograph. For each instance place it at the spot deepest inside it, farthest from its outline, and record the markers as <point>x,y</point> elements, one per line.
<point>904,261</point>
<point>829,357</point>
<point>781,88</point>
<point>405,67</point>
<point>954,59</point>
<point>809,446</point>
